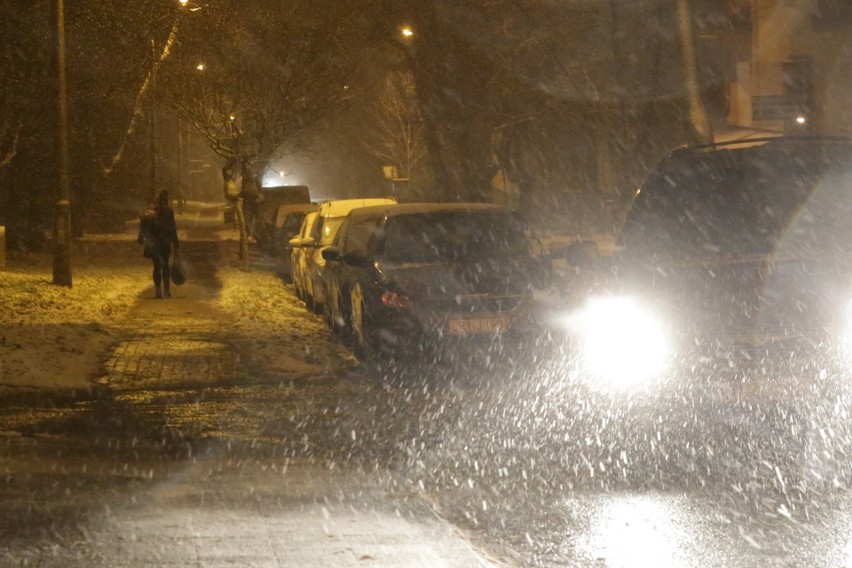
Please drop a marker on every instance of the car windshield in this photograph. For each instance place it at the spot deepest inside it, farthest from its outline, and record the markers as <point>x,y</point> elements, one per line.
<point>292,223</point>
<point>330,226</point>
<point>452,236</point>
<point>740,203</point>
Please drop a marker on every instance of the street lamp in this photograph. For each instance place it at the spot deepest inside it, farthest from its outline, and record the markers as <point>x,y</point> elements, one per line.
<point>407,32</point>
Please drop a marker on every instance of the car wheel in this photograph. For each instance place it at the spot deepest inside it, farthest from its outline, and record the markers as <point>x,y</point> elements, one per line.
<point>361,333</point>
<point>309,300</point>
<point>327,314</point>
<point>340,321</point>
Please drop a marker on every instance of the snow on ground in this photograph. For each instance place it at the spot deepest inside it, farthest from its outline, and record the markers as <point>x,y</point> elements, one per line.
<point>57,337</point>
<point>285,338</point>
<point>53,336</point>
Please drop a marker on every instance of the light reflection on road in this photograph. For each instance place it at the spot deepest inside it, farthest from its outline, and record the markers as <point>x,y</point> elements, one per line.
<point>639,531</point>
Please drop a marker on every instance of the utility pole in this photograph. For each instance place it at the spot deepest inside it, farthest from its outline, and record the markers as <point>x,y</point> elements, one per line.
<point>62,225</point>
<point>152,139</point>
<point>180,191</point>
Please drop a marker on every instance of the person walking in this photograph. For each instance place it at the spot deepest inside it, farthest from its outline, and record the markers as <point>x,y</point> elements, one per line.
<point>157,235</point>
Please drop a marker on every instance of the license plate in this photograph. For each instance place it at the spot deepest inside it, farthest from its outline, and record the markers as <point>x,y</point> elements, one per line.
<point>471,326</point>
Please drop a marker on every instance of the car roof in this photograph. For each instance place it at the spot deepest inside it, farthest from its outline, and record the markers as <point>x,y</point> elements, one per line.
<point>416,208</point>
<point>285,211</point>
<point>297,208</point>
<point>764,144</point>
<point>342,207</point>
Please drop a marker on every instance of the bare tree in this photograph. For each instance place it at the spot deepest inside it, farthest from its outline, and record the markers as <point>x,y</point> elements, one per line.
<point>250,76</point>
<point>398,136</point>
<point>10,90</point>
<point>10,133</point>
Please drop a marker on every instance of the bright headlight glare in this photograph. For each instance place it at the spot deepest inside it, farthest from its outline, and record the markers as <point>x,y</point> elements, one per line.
<point>847,330</point>
<point>619,340</point>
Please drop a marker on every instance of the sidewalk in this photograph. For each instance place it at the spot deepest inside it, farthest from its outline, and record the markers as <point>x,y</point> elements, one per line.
<point>236,508</point>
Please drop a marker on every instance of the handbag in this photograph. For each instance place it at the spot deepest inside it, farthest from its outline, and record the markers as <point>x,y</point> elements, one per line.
<point>178,272</point>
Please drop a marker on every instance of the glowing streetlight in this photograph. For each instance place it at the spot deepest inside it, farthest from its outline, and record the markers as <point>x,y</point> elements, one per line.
<point>801,120</point>
<point>183,3</point>
<point>200,67</point>
<point>407,32</point>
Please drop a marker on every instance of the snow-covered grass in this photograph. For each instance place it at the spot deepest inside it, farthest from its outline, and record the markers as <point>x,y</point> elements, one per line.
<point>53,336</point>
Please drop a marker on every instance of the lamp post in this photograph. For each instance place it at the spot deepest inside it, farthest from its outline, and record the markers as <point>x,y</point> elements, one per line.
<point>62,224</point>
<point>152,131</point>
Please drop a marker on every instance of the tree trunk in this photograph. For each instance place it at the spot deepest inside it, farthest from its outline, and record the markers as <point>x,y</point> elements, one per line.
<point>240,217</point>
<point>232,193</point>
<point>699,124</point>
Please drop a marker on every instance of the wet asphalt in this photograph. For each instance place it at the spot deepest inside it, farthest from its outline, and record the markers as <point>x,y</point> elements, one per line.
<point>489,443</point>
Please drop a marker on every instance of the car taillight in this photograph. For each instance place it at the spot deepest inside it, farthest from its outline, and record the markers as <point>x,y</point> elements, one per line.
<point>395,299</point>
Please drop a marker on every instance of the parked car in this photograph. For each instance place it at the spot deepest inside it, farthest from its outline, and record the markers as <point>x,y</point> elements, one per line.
<point>408,276</point>
<point>322,233</point>
<point>288,221</point>
<point>300,247</point>
<point>261,214</point>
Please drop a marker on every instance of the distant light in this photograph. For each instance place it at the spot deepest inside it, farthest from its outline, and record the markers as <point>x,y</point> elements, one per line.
<point>184,2</point>
<point>801,119</point>
<point>232,116</point>
<point>199,67</point>
<point>281,173</point>
<point>407,32</point>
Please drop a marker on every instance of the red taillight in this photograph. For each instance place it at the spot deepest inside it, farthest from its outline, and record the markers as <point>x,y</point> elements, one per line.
<point>395,299</point>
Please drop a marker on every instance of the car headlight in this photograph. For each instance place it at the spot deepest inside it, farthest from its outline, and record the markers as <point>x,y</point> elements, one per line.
<point>846,331</point>
<point>619,340</point>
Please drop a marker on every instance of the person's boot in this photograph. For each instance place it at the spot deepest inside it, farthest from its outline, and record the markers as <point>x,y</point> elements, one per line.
<point>158,293</point>
<point>166,292</point>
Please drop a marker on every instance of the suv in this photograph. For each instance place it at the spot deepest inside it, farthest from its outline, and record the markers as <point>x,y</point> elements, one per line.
<point>403,277</point>
<point>733,275</point>
<point>321,234</point>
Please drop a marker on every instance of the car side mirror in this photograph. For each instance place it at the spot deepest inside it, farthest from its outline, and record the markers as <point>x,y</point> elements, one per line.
<point>582,254</point>
<point>331,254</point>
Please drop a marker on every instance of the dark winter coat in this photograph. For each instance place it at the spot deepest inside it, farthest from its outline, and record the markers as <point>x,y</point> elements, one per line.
<point>158,230</point>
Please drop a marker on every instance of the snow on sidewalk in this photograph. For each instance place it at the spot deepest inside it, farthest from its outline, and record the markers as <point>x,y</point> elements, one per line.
<point>55,337</point>
<point>52,337</point>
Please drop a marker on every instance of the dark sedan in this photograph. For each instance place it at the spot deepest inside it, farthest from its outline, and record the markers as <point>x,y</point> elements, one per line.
<point>405,276</point>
